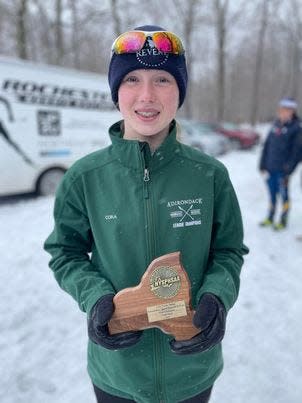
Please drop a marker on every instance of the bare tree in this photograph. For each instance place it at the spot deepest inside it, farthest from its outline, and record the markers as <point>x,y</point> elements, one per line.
<point>256,59</point>
<point>295,40</point>
<point>3,19</point>
<point>226,19</point>
<point>221,9</point>
<point>75,42</point>
<point>2,11</point>
<point>187,15</point>
<point>59,33</point>
<point>40,37</point>
<point>21,34</point>
<point>259,60</point>
<point>117,25</point>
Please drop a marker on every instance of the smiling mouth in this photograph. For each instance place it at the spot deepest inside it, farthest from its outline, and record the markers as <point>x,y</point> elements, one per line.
<point>147,114</point>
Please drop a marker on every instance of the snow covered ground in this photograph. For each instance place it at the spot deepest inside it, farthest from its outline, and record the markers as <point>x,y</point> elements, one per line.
<point>43,333</point>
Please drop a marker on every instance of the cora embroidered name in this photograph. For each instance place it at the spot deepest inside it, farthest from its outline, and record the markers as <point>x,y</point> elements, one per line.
<point>111,217</point>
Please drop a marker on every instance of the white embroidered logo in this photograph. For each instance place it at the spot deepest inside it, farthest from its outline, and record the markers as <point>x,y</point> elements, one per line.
<point>188,215</point>
<point>150,56</point>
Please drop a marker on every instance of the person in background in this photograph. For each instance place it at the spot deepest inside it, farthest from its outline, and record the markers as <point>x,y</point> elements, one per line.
<point>144,196</point>
<point>279,159</point>
<point>298,159</point>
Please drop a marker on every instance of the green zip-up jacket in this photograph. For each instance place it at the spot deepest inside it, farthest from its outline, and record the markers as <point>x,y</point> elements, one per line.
<point>119,208</point>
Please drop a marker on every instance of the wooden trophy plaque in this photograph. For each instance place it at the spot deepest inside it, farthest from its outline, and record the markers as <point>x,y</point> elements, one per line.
<point>162,299</point>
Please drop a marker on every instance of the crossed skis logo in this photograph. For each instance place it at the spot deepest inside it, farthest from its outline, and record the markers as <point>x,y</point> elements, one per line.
<point>187,213</point>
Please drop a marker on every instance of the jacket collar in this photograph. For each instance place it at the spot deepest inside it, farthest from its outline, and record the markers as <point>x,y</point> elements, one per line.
<point>289,122</point>
<point>136,154</point>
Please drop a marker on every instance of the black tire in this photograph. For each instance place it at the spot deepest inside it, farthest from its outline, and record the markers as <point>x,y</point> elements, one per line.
<point>49,181</point>
<point>236,145</point>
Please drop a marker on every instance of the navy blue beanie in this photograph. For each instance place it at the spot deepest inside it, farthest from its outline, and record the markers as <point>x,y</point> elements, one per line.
<point>121,65</point>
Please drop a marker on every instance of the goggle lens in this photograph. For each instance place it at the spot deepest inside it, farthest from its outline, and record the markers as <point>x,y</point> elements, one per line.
<point>130,42</point>
<point>133,41</point>
<point>167,42</point>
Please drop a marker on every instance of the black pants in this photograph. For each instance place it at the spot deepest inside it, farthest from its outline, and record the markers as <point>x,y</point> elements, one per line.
<point>103,397</point>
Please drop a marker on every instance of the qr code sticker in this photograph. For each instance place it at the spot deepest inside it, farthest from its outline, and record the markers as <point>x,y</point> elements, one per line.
<point>49,123</point>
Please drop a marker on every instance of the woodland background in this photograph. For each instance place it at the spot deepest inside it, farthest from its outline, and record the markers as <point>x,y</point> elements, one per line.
<point>242,56</point>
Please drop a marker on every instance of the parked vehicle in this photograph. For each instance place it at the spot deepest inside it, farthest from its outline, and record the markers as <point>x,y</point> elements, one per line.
<point>203,138</point>
<point>49,117</point>
<point>240,138</point>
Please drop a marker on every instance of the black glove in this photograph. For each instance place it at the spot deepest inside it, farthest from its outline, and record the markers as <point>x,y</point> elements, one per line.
<point>98,330</point>
<point>210,316</point>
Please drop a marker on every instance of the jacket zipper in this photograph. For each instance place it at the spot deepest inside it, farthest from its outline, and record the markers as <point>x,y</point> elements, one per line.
<point>159,371</point>
<point>146,180</point>
<point>150,254</point>
<point>146,195</point>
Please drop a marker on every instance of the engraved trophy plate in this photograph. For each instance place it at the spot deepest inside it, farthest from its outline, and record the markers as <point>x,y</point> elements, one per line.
<point>166,311</point>
<point>162,299</point>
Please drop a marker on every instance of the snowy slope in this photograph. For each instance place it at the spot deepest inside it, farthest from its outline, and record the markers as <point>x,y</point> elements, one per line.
<point>43,333</point>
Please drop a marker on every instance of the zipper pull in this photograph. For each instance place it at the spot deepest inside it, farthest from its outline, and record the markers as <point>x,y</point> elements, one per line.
<point>146,180</point>
<point>146,175</point>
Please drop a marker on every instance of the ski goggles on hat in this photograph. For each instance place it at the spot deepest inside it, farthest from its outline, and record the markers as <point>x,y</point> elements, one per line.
<point>134,41</point>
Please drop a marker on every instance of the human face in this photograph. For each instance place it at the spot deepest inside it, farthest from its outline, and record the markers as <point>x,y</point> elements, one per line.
<point>148,101</point>
<point>285,114</point>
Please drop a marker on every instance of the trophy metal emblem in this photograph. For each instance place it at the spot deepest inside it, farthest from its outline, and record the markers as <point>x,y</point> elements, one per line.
<point>162,299</point>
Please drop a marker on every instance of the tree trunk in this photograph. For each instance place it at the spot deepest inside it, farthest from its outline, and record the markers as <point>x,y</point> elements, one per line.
<point>187,16</point>
<point>117,25</point>
<point>221,70</point>
<point>188,31</point>
<point>221,11</point>
<point>75,44</point>
<point>295,82</point>
<point>21,35</point>
<point>59,42</point>
<point>259,61</point>
<point>295,33</point>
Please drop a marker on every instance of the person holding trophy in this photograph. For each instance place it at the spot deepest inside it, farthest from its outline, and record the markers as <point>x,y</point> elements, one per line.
<point>146,196</point>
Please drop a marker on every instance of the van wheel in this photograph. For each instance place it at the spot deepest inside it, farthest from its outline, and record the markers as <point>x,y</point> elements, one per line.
<point>236,145</point>
<point>49,181</point>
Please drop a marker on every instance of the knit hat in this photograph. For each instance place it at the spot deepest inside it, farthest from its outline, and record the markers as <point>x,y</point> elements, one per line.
<point>289,103</point>
<point>147,58</point>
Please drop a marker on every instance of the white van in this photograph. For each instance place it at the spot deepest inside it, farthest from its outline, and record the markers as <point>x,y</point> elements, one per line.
<point>49,117</point>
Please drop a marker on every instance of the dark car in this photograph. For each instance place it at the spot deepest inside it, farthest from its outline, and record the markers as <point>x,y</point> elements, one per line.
<point>240,138</point>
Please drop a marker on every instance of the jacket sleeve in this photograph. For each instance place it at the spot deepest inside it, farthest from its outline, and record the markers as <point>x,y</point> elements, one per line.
<point>222,277</point>
<point>296,152</point>
<point>263,157</point>
<point>69,245</point>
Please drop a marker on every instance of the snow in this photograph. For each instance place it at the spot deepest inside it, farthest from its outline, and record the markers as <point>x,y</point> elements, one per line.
<point>43,333</point>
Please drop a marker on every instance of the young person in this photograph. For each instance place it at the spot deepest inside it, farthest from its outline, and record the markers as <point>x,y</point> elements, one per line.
<point>279,158</point>
<point>142,197</point>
